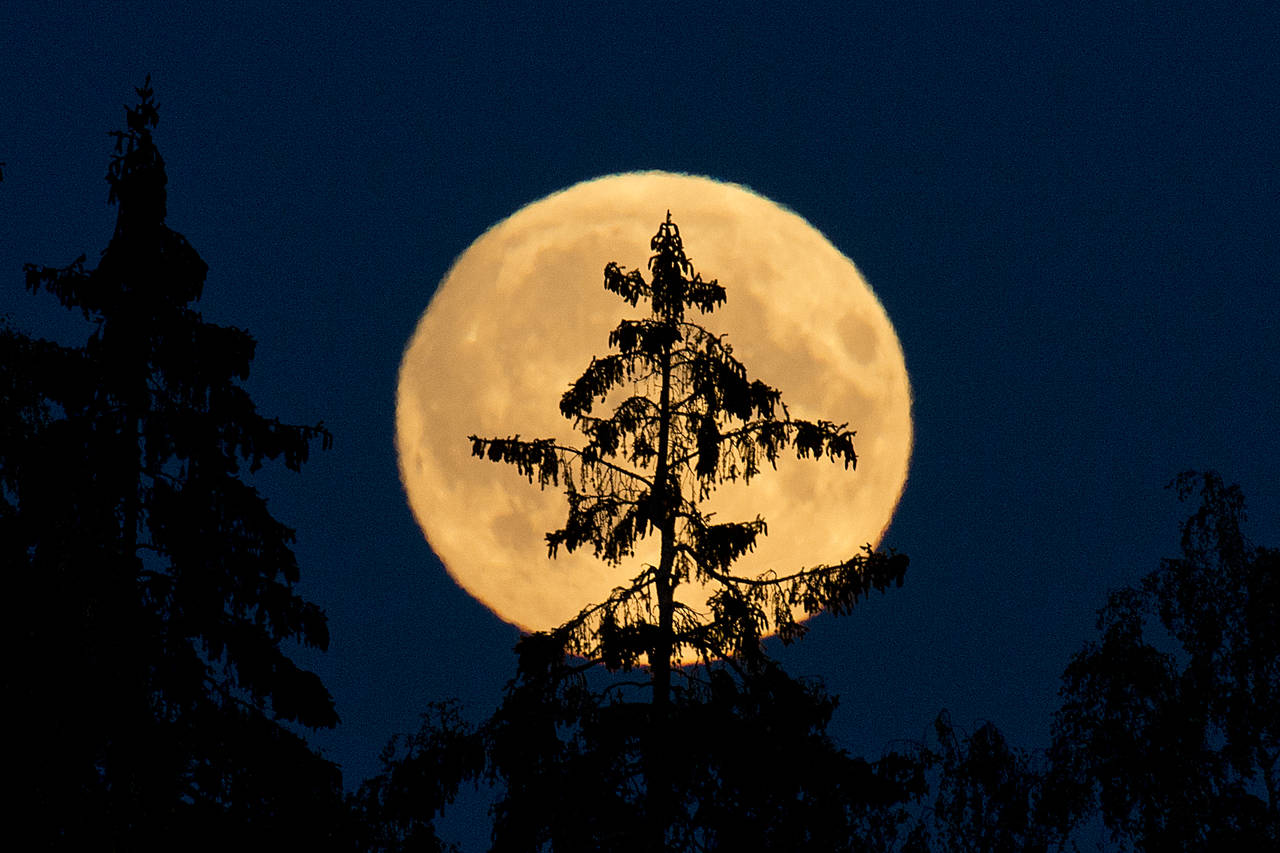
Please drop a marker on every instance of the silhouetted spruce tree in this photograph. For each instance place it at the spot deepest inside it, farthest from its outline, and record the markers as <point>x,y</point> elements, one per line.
<point>151,588</point>
<point>1173,735</point>
<point>687,419</point>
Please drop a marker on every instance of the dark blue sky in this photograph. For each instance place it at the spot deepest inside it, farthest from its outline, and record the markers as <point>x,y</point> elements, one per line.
<point>1071,218</point>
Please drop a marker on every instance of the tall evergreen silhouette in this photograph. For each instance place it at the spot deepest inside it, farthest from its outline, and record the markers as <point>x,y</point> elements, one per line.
<point>686,419</point>
<point>153,590</point>
<point>692,420</point>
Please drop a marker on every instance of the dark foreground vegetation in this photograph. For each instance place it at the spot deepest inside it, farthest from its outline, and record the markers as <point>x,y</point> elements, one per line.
<point>157,707</point>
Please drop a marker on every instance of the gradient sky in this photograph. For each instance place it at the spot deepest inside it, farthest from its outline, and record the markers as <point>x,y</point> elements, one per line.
<point>1071,217</point>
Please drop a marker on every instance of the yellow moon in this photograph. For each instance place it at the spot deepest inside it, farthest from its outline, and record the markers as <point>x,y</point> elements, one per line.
<point>523,310</point>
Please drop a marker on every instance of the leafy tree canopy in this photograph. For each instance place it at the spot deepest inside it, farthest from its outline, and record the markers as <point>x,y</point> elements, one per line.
<point>1172,733</point>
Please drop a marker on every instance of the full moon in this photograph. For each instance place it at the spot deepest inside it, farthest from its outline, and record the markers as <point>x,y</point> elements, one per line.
<point>523,310</point>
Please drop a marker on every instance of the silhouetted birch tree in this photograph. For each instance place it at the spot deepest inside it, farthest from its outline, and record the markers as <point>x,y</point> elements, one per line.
<point>1171,732</point>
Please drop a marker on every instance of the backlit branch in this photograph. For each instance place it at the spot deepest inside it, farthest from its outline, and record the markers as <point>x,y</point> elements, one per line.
<point>693,419</point>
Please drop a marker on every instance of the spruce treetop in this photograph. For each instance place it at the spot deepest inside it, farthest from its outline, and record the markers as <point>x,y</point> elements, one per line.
<point>685,418</point>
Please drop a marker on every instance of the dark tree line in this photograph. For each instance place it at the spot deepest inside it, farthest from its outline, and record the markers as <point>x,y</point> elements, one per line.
<point>1166,739</point>
<point>156,706</point>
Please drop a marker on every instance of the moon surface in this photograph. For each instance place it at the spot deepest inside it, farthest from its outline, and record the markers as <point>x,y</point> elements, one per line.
<point>523,310</point>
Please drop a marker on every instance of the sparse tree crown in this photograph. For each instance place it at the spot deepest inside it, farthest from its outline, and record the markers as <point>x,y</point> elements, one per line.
<point>688,419</point>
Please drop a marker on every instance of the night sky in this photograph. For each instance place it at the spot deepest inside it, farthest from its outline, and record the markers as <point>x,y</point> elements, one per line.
<point>1071,217</point>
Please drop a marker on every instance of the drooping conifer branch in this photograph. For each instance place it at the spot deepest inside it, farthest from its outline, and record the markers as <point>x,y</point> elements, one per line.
<point>690,419</point>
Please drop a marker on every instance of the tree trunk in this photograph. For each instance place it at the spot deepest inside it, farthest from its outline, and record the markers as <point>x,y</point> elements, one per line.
<point>658,783</point>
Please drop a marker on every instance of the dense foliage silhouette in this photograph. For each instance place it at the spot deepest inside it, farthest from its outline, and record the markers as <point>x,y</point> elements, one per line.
<point>983,794</point>
<point>154,588</point>
<point>751,767</point>
<point>1172,733</point>
<point>1168,734</point>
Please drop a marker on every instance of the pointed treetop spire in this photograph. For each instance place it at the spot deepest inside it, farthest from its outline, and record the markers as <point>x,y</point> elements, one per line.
<point>136,174</point>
